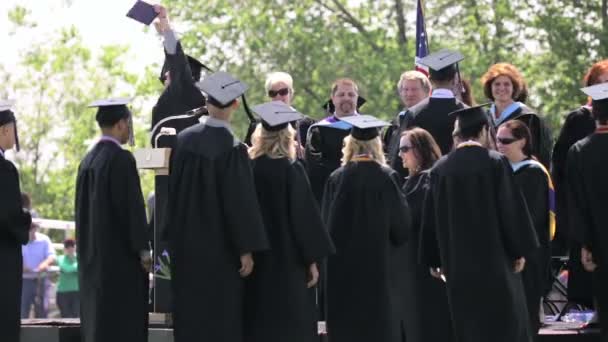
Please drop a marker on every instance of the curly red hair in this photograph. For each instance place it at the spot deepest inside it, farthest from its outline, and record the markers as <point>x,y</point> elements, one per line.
<point>503,69</point>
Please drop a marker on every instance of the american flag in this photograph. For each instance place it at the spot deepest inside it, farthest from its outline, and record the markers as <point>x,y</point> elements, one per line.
<point>422,42</point>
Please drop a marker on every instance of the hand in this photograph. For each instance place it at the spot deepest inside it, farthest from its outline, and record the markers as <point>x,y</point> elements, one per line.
<point>162,24</point>
<point>313,272</point>
<point>587,260</point>
<point>146,261</point>
<point>41,268</point>
<point>246,265</point>
<point>519,265</point>
<point>437,273</point>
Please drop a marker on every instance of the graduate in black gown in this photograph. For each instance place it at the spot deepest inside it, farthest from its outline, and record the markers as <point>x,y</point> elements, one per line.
<point>213,221</point>
<point>587,186</point>
<point>431,114</point>
<point>179,75</point>
<point>324,140</point>
<point>504,85</point>
<point>577,125</point>
<point>113,251</point>
<point>280,296</point>
<point>513,139</point>
<point>476,231</point>
<point>14,227</point>
<point>368,220</point>
<point>413,87</point>
<point>426,314</point>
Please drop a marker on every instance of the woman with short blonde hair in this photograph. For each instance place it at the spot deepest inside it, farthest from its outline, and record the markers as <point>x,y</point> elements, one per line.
<point>354,147</point>
<point>274,144</point>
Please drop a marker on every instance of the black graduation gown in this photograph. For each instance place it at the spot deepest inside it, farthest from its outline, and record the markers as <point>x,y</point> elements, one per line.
<point>111,229</point>
<point>278,305</point>
<point>426,313</point>
<point>475,226</point>
<point>392,138</point>
<point>14,230</point>
<point>533,183</point>
<point>181,95</point>
<point>323,153</point>
<point>578,124</point>
<point>587,187</point>
<point>432,115</point>
<point>213,218</point>
<point>542,141</point>
<point>368,219</point>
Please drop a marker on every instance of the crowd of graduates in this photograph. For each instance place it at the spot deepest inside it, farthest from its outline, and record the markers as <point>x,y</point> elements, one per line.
<point>437,226</point>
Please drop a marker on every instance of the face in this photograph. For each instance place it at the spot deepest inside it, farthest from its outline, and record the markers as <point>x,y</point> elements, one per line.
<point>280,92</point>
<point>7,136</point>
<point>508,145</point>
<point>502,89</point>
<point>406,152</point>
<point>411,93</point>
<point>70,250</point>
<point>123,130</point>
<point>345,99</point>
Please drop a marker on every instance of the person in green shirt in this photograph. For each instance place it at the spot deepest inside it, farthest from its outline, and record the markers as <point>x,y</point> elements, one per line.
<point>68,298</point>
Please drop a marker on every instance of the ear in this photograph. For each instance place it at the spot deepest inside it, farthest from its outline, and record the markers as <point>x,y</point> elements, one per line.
<point>235,105</point>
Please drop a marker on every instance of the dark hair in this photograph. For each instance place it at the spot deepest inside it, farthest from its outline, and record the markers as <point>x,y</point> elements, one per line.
<point>26,201</point>
<point>520,130</point>
<point>467,95</point>
<point>424,147</point>
<point>599,110</point>
<point>67,243</point>
<point>470,132</point>
<point>443,75</point>
<point>510,71</point>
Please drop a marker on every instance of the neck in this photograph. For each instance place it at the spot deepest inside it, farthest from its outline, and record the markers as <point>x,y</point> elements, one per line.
<point>342,115</point>
<point>501,106</point>
<point>224,116</point>
<point>519,157</point>
<point>443,85</point>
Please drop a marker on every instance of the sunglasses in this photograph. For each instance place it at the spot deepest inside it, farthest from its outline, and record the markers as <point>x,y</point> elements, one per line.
<point>404,148</point>
<point>506,141</point>
<point>282,92</point>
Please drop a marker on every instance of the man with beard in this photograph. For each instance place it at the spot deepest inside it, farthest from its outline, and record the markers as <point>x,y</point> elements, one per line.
<point>324,140</point>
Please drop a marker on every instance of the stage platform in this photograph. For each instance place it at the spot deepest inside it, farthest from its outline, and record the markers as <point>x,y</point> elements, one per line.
<point>68,330</point>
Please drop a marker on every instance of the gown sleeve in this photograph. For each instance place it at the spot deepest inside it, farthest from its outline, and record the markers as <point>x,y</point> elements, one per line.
<point>310,234</point>
<point>428,244</point>
<point>578,219</point>
<point>535,189</point>
<point>240,202</point>
<point>14,221</point>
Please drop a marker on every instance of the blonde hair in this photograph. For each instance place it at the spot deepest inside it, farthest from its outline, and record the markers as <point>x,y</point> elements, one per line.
<point>353,147</point>
<point>415,75</point>
<point>274,144</point>
<point>279,76</point>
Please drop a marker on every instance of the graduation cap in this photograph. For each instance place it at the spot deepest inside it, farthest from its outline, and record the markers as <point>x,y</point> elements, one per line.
<point>276,115</point>
<point>330,108</point>
<point>196,67</point>
<point>142,12</point>
<point>7,116</point>
<point>112,110</point>
<point>442,64</point>
<point>471,117</point>
<point>599,97</point>
<point>365,127</point>
<point>222,88</point>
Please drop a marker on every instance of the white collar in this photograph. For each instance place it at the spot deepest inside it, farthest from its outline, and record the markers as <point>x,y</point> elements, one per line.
<point>442,93</point>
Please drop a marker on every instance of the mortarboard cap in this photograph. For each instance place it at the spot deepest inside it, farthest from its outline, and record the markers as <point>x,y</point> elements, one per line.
<point>365,127</point>
<point>7,116</point>
<point>330,108</point>
<point>441,59</point>
<point>222,88</point>
<point>470,117</point>
<point>276,115</point>
<point>598,92</point>
<point>142,12</point>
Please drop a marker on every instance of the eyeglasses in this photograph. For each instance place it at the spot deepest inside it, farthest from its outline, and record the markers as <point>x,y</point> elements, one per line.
<point>282,92</point>
<point>506,141</point>
<point>404,148</point>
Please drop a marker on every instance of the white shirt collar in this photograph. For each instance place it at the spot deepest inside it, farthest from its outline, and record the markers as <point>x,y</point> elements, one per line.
<point>442,93</point>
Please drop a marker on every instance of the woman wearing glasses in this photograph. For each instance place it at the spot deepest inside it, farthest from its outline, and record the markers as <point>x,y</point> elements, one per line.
<point>425,307</point>
<point>513,140</point>
<point>279,87</point>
